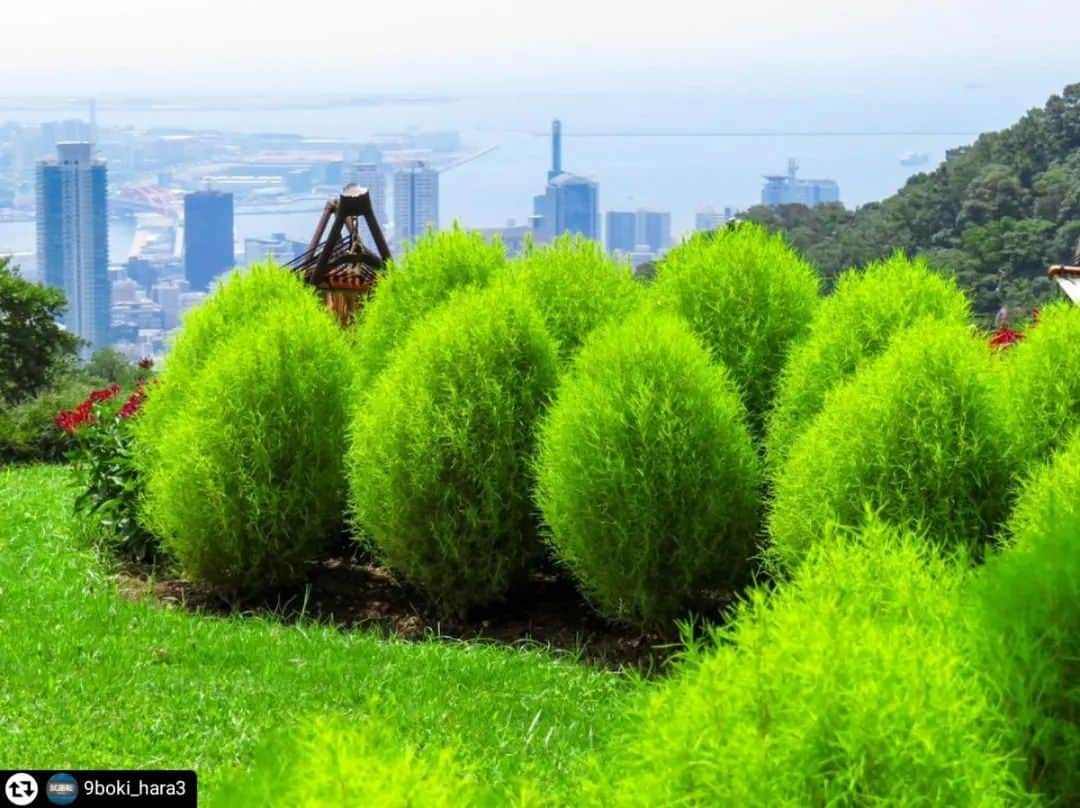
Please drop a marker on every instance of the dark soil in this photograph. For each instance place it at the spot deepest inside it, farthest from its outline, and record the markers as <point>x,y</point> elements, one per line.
<point>547,612</point>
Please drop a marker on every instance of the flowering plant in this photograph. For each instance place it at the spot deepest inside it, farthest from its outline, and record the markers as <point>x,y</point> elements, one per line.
<point>102,459</point>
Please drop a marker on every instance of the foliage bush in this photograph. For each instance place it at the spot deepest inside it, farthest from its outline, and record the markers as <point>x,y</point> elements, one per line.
<point>1039,389</point>
<point>913,436</point>
<point>248,482</point>
<point>439,465</point>
<point>240,299</point>
<point>647,477</point>
<point>1027,606</point>
<point>748,296</point>
<point>848,687</point>
<point>28,430</point>
<point>852,326</point>
<point>110,482</point>
<point>422,279</point>
<point>576,287</point>
<point>331,762</point>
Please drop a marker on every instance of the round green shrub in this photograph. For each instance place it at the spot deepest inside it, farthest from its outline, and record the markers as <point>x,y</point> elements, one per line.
<point>646,474</point>
<point>242,298</point>
<point>439,465</point>
<point>849,687</point>
<point>576,287</point>
<point>1039,388</point>
<point>425,276</point>
<point>248,479</point>
<point>913,436</point>
<point>852,326</point>
<point>328,761</point>
<point>749,296</point>
<point>1026,602</point>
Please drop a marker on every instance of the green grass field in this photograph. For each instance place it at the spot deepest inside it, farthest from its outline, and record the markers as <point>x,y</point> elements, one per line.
<point>89,679</point>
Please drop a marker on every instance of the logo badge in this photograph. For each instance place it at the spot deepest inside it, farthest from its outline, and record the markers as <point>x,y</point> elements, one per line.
<point>21,789</point>
<point>62,789</point>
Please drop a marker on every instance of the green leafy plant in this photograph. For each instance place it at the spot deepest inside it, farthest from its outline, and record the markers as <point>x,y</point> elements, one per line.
<point>749,296</point>
<point>848,686</point>
<point>1039,387</point>
<point>914,436</point>
<point>647,477</point>
<point>248,481</point>
<point>1026,603</point>
<point>575,286</point>
<point>430,270</point>
<point>240,299</point>
<point>110,482</point>
<point>852,326</point>
<point>439,465</point>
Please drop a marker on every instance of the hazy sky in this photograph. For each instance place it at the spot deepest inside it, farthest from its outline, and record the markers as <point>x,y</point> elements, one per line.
<point>280,46</point>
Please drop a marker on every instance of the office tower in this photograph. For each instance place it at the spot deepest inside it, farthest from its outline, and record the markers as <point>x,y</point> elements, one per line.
<point>372,177</point>
<point>639,230</point>
<point>569,204</point>
<point>208,237</point>
<point>73,238</point>
<point>710,219</point>
<point>416,202</point>
<point>788,189</point>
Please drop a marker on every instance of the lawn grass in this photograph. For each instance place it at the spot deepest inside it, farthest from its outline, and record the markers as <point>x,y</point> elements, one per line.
<point>89,679</point>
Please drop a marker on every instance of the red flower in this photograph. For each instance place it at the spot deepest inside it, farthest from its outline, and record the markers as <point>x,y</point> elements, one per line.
<point>146,363</point>
<point>1005,338</point>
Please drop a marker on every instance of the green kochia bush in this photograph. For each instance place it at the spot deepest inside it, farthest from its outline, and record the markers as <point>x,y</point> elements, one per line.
<point>248,481</point>
<point>852,326</point>
<point>420,281</point>
<point>240,299</point>
<point>749,296</point>
<point>576,287</point>
<point>1027,606</point>
<point>647,477</point>
<point>913,436</point>
<point>1040,385</point>
<point>848,687</point>
<point>439,465</point>
<point>330,762</point>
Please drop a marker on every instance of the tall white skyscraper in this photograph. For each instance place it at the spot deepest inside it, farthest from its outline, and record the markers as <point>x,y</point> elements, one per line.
<point>416,202</point>
<point>372,177</point>
<point>73,237</point>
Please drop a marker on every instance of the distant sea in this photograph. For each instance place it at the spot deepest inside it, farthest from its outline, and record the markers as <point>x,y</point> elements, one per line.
<point>658,150</point>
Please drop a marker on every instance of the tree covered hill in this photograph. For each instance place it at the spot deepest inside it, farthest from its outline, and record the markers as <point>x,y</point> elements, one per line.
<point>996,213</point>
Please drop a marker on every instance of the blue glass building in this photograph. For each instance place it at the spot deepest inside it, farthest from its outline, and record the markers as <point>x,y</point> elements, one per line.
<point>569,204</point>
<point>73,238</point>
<point>208,237</point>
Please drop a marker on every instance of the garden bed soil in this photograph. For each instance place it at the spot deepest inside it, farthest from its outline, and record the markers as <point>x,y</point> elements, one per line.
<point>351,594</point>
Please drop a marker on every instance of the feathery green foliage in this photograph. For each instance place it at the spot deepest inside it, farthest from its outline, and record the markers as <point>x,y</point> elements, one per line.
<point>421,280</point>
<point>852,326</point>
<point>241,298</point>
<point>1039,389</point>
<point>848,687</point>
<point>248,482</point>
<point>576,287</point>
<point>1027,630</point>
<point>914,436</point>
<point>748,295</point>
<point>330,762</point>
<point>647,477</point>
<point>439,465</point>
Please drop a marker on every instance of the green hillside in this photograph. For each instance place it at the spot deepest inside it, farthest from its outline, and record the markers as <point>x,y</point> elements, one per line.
<point>996,213</point>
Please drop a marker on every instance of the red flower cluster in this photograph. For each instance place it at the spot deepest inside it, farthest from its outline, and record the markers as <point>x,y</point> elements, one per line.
<point>1004,338</point>
<point>135,402</point>
<point>70,420</point>
<point>146,363</point>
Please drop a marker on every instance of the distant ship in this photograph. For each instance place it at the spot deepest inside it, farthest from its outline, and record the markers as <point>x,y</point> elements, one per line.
<point>914,158</point>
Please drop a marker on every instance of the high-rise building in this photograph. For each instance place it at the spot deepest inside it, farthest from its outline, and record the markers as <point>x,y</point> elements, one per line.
<point>569,204</point>
<point>208,237</point>
<point>416,202</point>
<point>73,237</point>
<point>372,177</point>
<point>788,189</point>
<point>639,230</point>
